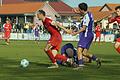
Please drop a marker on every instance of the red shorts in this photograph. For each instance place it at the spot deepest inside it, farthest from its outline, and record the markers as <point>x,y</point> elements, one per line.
<point>98,34</point>
<point>55,41</point>
<point>7,35</point>
<point>118,40</point>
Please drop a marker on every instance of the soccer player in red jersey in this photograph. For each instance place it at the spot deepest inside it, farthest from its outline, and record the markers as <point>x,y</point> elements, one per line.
<point>98,32</point>
<point>113,19</point>
<point>7,30</point>
<point>53,44</point>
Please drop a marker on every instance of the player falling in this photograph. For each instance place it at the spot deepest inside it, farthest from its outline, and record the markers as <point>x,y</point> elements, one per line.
<point>113,19</point>
<point>70,52</point>
<point>7,30</point>
<point>53,44</point>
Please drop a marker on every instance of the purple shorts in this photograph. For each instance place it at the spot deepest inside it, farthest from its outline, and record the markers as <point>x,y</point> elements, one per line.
<point>85,41</point>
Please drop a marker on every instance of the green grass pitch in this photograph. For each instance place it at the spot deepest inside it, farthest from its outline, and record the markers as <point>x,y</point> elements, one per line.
<point>10,57</point>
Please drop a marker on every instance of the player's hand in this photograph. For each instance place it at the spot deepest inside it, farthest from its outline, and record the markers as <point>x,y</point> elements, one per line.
<point>73,33</point>
<point>75,10</point>
<point>69,31</point>
<point>54,23</point>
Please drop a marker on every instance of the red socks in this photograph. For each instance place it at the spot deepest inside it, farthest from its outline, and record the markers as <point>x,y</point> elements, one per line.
<point>57,57</point>
<point>61,57</point>
<point>51,56</point>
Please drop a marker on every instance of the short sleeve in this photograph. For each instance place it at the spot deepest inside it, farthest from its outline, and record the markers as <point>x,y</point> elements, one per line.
<point>86,20</point>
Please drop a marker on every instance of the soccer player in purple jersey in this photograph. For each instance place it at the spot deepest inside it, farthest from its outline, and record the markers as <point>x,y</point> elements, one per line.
<point>86,37</point>
<point>36,33</point>
<point>70,52</point>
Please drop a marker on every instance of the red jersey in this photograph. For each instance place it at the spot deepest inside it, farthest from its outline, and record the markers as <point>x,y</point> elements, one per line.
<point>56,38</point>
<point>98,31</point>
<point>115,19</point>
<point>50,28</point>
<point>118,39</point>
<point>7,27</point>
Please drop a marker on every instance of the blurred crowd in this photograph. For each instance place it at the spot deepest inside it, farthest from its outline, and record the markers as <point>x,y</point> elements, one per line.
<point>28,28</point>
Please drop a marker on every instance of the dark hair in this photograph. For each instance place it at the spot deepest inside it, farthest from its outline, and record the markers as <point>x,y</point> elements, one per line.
<point>118,7</point>
<point>41,12</point>
<point>8,20</point>
<point>83,6</point>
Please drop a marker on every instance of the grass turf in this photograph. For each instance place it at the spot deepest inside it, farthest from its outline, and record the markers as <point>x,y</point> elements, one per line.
<point>10,57</point>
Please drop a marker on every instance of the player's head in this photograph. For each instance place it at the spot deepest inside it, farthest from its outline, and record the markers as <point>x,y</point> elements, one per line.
<point>7,21</point>
<point>98,24</point>
<point>118,10</point>
<point>70,52</point>
<point>41,14</point>
<point>83,7</point>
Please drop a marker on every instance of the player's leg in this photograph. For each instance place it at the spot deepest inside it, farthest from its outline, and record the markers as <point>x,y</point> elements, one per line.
<point>49,53</point>
<point>8,36</point>
<point>8,41</point>
<point>59,56</point>
<point>92,57</point>
<point>80,56</point>
<point>86,59</point>
<point>95,38</point>
<point>86,54</point>
<point>54,56</point>
<point>81,46</point>
<point>99,39</point>
<point>37,39</point>
<point>104,36</point>
<point>117,45</point>
<point>88,41</point>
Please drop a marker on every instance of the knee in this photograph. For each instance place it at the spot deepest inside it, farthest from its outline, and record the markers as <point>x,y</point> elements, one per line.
<point>45,49</point>
<point>116,45</point>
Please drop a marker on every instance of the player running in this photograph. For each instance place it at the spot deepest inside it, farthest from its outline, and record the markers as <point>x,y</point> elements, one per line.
<point>7,29</point>
<point>53,44</point>
<point>113,19</point>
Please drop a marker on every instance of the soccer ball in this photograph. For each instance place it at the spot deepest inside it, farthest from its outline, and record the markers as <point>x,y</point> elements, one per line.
<point>24,63</point>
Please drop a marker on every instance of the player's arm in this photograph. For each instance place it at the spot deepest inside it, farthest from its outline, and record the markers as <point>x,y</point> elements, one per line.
<point>60,26</point>
<point>79,31</point>
<point>10,26</point>
<point>86,21</point>
<point>63,50</point>
<point>76,10</point>
<point>111,19</point>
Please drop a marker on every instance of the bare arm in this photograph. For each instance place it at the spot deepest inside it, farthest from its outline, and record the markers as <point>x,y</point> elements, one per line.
<point>111,19</point>
<point>81,30</point>
<point>60,26</point>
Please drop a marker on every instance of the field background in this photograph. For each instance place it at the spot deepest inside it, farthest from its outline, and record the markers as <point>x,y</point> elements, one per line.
<point>11,55</point>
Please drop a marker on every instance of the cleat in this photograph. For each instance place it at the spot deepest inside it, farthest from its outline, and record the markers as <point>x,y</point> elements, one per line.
<point>69,62</point>
<point>98,61</point>
<point>81,65</point>
<point>53,66</point>
<point>78,68</point>
<point>7,43</point>
<point>74,65</point>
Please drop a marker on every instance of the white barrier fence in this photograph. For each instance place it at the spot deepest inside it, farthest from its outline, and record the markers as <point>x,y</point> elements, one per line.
<point>66,37</point>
